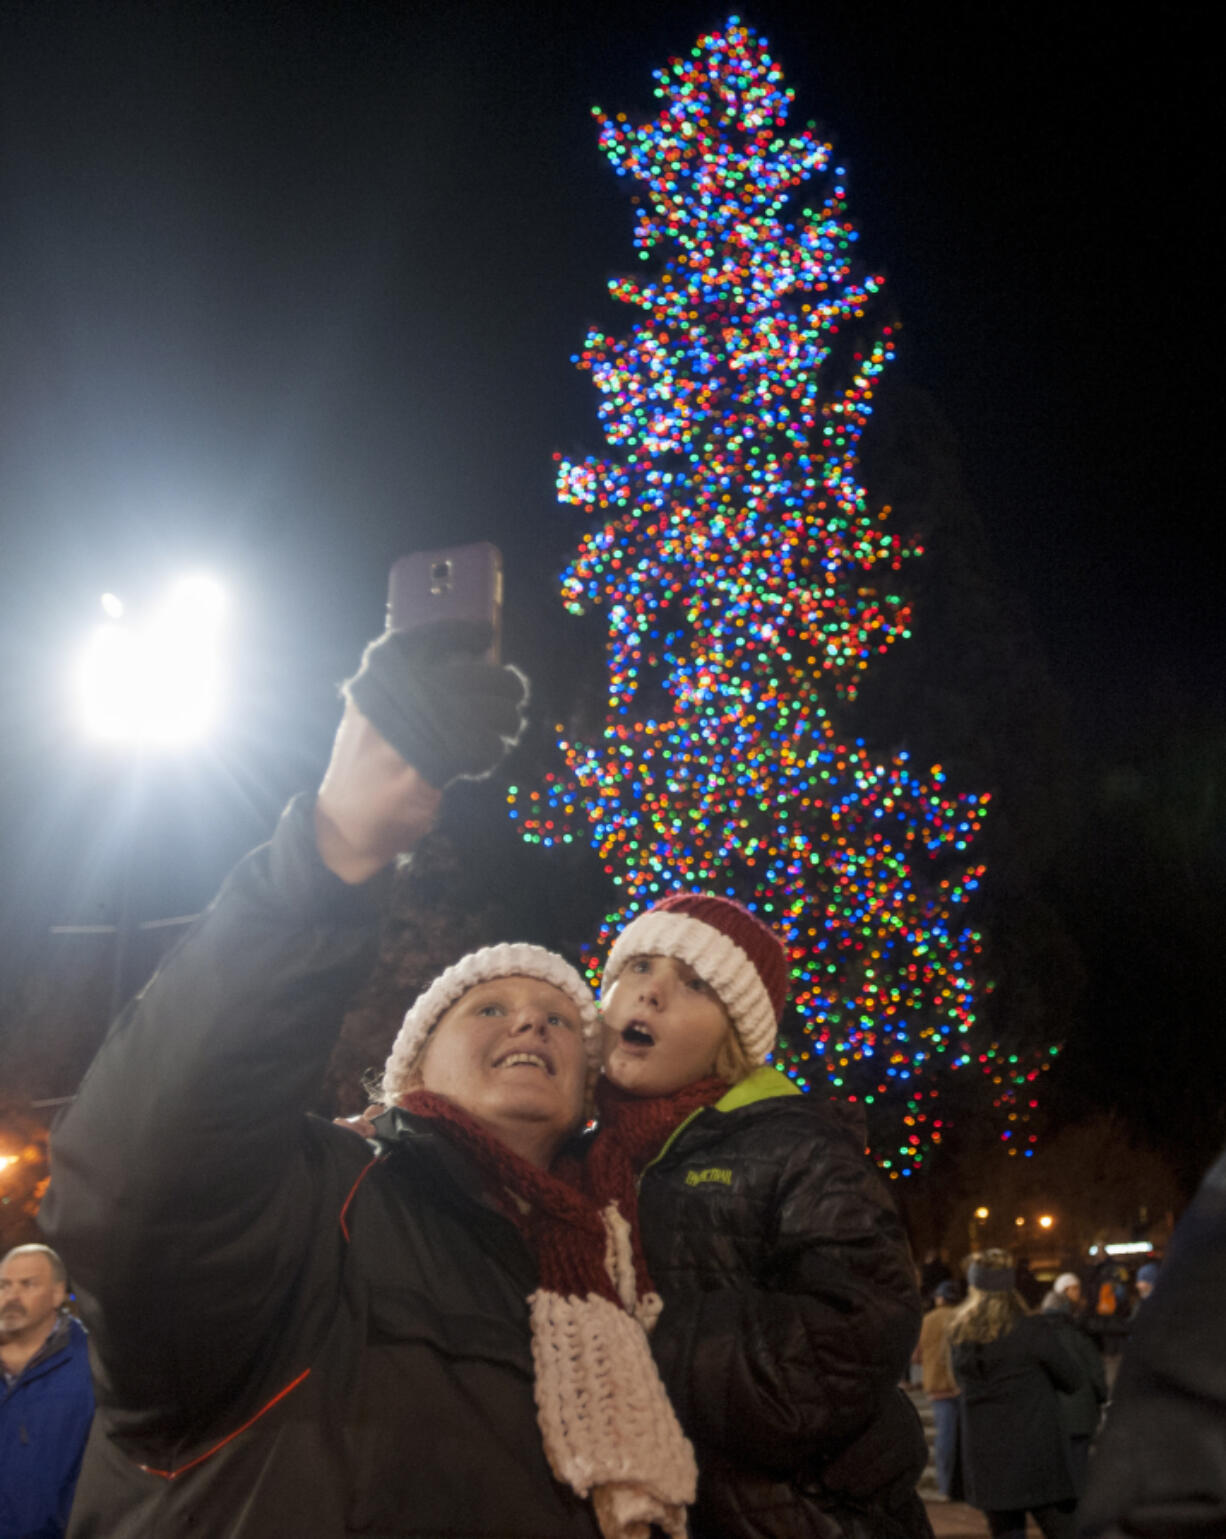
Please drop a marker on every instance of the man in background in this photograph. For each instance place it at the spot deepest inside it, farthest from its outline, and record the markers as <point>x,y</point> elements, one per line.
<point>47,1400</point>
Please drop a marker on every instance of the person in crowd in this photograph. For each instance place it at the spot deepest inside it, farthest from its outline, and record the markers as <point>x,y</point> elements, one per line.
<point>939,1384</point>
<point>1159,1464</point>
<point>1112,1291</point>
<point>1027,1284</point>
<point>934,1271</point>
<point>300,1337</point>
<point>1081,1411</point>
<point>1111,1319</point>
<point>1065,1295</point>
<point>790,1305</point>
<point>1010,1365</point>
<point>1147,1278</point>
<point>47,1401</point>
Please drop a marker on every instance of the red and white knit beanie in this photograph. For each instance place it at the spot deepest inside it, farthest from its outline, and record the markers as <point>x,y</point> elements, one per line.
<point>742,959</point>
<point>516,960</point>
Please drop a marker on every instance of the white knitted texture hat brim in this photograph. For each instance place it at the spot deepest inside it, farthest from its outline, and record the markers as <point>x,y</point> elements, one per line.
<point>514,960</point>
<point>716,959</point>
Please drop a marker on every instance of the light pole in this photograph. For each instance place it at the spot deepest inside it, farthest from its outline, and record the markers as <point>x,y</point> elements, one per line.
<point>150,687</point>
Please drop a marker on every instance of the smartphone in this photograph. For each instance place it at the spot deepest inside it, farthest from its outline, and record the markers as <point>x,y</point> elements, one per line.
<point>462,582</point>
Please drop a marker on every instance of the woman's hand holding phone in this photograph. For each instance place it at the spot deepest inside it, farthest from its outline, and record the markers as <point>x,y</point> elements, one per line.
<point>372,805</point>
<point>423,710</point>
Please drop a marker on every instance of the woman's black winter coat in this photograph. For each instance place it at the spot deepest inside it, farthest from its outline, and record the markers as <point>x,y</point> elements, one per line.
<point>790,1314</point>
<point>1015,1454</point>
<point>294,1339</point>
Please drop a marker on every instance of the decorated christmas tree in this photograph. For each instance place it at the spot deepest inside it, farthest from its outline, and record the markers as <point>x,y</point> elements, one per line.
<point>748,582</point>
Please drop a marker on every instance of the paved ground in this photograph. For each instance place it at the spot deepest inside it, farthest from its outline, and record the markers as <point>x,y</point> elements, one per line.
<point>951,1520</point>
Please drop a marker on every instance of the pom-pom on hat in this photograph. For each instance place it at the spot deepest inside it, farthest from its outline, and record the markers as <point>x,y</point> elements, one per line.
<point>742,959</point>
<point>517,960</point>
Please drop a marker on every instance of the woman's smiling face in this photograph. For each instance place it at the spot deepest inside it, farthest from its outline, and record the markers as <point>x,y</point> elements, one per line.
<point>662,1027</point>
<point>510,1052</point>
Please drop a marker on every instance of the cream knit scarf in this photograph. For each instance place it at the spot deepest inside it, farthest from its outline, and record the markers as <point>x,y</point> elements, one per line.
<point>608,1427</point>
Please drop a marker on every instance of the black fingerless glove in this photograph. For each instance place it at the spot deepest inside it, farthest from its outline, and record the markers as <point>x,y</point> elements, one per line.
<point>447,712</point>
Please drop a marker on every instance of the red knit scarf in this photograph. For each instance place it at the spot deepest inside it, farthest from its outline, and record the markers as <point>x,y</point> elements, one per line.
<point>562,1226</point>
<point>631,1130</point>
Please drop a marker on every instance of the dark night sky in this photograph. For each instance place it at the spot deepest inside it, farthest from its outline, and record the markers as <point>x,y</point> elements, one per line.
<point>286,290</point>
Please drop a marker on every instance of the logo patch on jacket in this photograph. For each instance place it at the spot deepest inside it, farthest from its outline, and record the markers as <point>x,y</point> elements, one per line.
<point>712,1173</point>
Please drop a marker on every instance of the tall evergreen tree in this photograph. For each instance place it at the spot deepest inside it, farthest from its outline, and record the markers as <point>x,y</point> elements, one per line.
<point>748,583</point>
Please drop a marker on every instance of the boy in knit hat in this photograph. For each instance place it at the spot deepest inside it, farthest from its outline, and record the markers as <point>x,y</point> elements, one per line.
<point>789,1304</point>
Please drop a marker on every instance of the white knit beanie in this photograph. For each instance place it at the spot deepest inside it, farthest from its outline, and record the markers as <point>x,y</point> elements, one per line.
<point>516,960</point>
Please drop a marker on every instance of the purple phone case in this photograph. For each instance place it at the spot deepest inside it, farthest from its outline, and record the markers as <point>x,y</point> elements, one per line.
<point>460,582</point>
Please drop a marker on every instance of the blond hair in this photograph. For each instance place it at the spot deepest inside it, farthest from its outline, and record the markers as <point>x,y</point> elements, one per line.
<point>732,1063</point>
<point>988,1315</point>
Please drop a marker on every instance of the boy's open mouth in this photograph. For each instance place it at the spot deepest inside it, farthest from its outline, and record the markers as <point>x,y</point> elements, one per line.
<point>637,1035</point>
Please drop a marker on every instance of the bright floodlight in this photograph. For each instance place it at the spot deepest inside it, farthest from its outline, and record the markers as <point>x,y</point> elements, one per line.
<point>158,683</point>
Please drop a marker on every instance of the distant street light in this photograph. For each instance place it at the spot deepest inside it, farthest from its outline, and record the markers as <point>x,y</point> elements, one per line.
<point>1046,1221</point>
<point>1019,1222</point>
<point>157,683</point>
<point>981,1213</point>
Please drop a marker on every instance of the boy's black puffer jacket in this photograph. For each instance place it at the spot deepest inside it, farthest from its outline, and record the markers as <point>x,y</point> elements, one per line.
<point>790,1314</point>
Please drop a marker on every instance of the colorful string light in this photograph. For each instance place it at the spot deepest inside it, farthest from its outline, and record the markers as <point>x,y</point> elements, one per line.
<point>747,585</point>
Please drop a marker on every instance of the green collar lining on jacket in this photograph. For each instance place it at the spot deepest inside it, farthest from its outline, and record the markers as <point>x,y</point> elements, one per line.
<point>763,1084</point>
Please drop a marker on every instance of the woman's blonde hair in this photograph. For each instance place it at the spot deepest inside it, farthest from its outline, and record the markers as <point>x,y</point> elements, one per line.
<point>988,1314</point>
